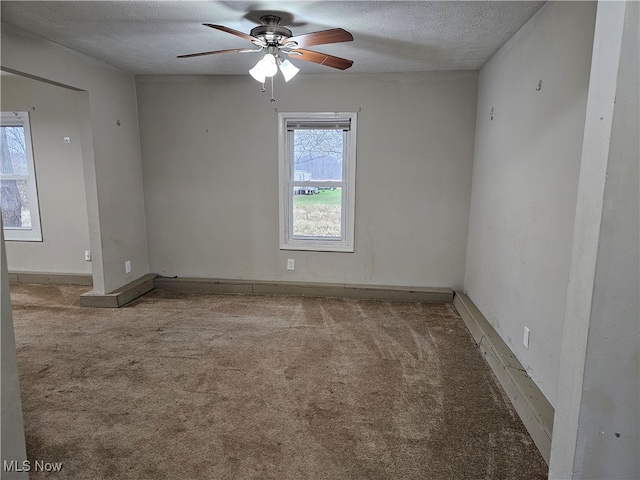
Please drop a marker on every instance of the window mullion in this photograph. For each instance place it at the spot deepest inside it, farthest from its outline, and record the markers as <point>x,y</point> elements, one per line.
<point>14,177</point>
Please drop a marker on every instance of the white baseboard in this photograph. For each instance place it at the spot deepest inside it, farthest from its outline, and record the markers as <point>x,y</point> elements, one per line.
<point>51,278</point>
<point>375,292</point>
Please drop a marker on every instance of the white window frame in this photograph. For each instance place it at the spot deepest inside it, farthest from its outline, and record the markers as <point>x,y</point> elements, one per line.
<point>33,234</point>
<point>286,175</point>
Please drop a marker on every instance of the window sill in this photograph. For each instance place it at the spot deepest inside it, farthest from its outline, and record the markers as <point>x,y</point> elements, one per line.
<point>314,246</point>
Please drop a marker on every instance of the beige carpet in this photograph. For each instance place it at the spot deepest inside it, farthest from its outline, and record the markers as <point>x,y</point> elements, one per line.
<point>190,386</point>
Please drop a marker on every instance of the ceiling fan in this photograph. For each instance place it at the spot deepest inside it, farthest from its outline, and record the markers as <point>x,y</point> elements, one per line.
<point>276,41</point>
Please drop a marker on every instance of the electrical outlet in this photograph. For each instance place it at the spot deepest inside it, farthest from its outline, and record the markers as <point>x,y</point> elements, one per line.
<point>87,255</point>
<point>291,264</point>
<point>67,140</point>
<point>525,338</point>
<point>127,266</point>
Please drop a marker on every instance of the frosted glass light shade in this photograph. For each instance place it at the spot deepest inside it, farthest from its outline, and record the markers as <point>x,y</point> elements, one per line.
<point>256,73</point>
<point>266,67</point>
<point>288,69</point>
<point>269,65</point>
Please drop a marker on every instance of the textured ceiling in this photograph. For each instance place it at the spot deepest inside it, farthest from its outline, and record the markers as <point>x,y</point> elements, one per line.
<point>389,36</point>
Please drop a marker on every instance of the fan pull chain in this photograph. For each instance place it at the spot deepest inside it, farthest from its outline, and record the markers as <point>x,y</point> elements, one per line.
<point>272,99</point>
<point>263,89</point>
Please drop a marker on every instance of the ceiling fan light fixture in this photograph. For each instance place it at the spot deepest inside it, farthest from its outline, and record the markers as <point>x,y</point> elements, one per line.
<point>266,67</point>
<point>269,65</point>
<point>288,69</point>
<point>256,73</point>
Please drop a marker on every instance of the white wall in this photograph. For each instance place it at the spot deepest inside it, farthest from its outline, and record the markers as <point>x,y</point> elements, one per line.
<point>612,381</point>
<point>106,101</point>
<point>597,422</point>
<point>12,443</point>
<point>209,149</point>
<point>59,172</point>
<point>525,179</point>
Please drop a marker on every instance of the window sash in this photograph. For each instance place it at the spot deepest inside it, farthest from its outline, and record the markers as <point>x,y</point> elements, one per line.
<point>33,233</point>
<point>311,125</point>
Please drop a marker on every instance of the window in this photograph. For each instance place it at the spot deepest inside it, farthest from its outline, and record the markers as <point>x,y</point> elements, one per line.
<point>317,155</point>
<point>19,197</point>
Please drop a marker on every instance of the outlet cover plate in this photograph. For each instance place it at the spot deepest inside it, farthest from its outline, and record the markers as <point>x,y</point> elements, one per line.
<point>525,338</point>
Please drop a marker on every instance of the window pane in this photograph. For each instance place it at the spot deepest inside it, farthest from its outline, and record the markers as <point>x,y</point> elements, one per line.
<point>14,155</point>
<point>318,154</point>
<point>317,212</point>
<point>15,204</point>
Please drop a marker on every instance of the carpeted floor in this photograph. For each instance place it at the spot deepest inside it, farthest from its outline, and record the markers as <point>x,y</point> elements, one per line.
<point>190,386</point>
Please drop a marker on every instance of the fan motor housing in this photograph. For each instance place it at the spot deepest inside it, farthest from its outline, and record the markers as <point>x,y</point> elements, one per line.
<point>271,34</point>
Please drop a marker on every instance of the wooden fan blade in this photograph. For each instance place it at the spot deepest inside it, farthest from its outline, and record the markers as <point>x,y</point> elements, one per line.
<point>236,33</point>
<point>334,35</point>
<point>201,54</point>
<point>321,58</point>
